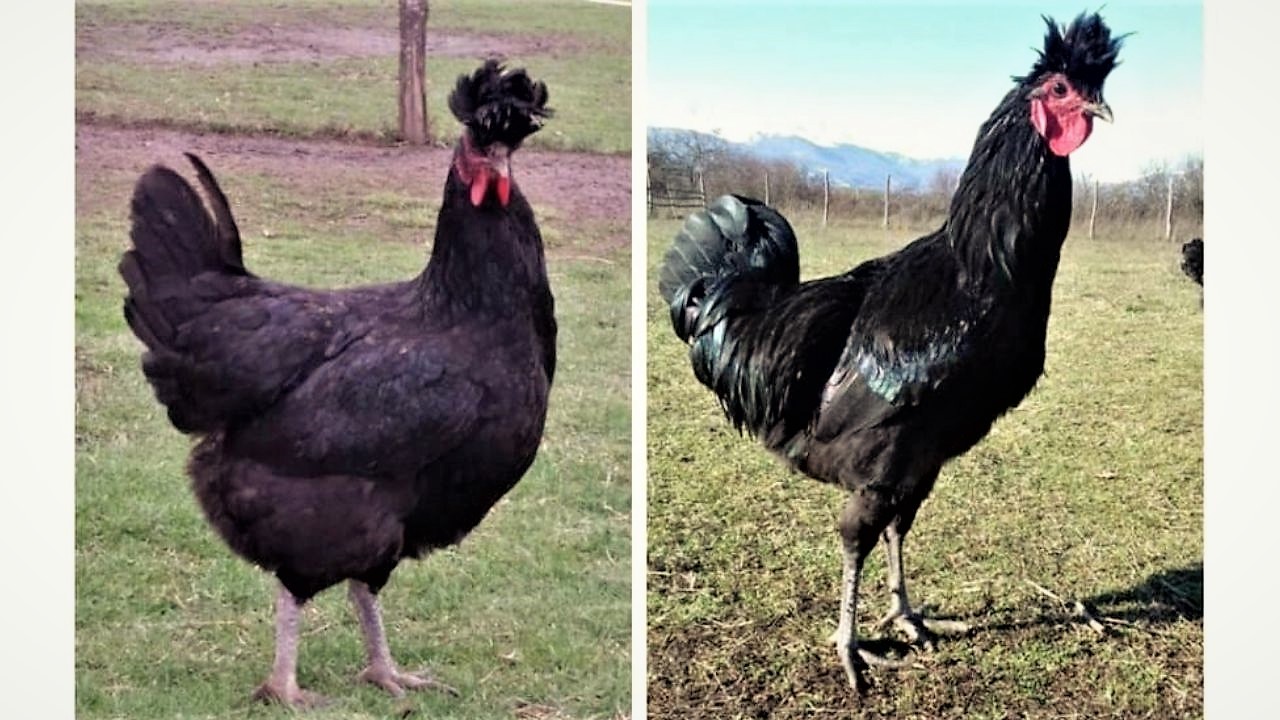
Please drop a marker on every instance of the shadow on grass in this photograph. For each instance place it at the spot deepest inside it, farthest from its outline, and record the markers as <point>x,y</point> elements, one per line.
<point>1165,597</point>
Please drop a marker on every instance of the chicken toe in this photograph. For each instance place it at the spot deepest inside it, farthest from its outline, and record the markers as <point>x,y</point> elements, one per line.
<point>289,694</point>
<point>923,632</point>
<point>397,682</point>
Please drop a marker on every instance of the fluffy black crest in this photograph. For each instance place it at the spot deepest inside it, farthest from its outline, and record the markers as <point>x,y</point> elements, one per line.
<point>498,105</point>
<point>1084,51</point>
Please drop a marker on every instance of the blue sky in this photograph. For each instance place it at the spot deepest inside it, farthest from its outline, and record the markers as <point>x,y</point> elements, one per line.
<point>915,77</point>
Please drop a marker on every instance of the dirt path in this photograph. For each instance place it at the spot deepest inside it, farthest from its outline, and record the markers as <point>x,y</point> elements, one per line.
<point>165,43</point>
<point>576,185</point>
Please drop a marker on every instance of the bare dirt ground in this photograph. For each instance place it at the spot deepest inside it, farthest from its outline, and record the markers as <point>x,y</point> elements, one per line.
<point>109,159</point>
<point>163,43</point>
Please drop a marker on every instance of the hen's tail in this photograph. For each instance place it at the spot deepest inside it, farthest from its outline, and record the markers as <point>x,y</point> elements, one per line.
<point>499,106</point>
<point>175,239</point>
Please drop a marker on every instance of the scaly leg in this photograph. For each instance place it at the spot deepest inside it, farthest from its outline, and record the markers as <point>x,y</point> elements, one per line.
<point>382,670</point>
<point>854,659</point>
<point>282,684</point>
<point>920,629</point>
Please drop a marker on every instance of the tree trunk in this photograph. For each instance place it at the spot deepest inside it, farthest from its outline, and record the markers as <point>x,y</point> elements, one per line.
<point>413,85</point>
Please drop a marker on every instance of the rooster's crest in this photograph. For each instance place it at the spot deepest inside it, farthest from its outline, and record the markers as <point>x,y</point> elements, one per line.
<point>1084,51</point>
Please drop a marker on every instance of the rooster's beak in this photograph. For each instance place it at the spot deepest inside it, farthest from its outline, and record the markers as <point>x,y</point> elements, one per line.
<point>1100,110</point>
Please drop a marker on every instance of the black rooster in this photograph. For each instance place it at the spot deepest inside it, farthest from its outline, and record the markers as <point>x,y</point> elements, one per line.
<point>343,431</point>
<point>1193,260</point>
<point>875,378</point>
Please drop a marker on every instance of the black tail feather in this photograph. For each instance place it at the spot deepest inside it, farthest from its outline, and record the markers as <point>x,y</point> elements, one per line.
<point>228,232</point>
<point>174,240</point>
<point>729,268</point>
<point>734,237</point>
<point>498,105</point>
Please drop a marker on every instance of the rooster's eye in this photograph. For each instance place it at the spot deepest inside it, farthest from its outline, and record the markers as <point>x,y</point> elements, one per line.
<point>1059,88</point>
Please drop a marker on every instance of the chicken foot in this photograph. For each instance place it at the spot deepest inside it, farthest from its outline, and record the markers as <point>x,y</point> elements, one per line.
<point>922,631</point>
<point>855,660</point>
<point>382,670</point>
<point>282,684</point>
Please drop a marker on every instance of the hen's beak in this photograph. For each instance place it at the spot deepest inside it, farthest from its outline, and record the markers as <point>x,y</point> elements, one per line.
<point>1100,110</point>
<point>500,161</point>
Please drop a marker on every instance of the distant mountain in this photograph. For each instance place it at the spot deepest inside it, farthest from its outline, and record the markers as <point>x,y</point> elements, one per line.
<point>850,165</point>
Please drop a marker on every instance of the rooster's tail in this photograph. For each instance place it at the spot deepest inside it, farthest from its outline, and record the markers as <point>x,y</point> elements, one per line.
<point>1193,260</point>
<point>728,259</point>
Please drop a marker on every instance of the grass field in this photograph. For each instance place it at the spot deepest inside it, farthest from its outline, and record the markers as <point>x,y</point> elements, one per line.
<point>170,624</point>
<point>1091,490</point>
<point>329,68</point>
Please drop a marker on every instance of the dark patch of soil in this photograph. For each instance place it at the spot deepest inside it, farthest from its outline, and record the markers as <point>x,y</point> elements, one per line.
<point>782,667</point>
<point>595,188</point>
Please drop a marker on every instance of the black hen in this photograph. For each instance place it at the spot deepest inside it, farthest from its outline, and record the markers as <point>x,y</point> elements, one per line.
<point>343,431</point>
<point>875,378</point>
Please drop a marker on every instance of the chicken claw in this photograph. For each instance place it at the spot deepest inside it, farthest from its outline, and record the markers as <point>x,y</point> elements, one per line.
<point>397,682</point>
<point>290,695</point>
<point>922,631</point>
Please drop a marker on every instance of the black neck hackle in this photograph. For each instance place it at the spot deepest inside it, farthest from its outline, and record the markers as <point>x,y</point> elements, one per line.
<point>1013,186</point>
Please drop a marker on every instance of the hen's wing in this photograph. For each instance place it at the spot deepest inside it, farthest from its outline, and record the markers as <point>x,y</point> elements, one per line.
<point>316,382</point>
<point>241,343</point>
<point>387,404</point>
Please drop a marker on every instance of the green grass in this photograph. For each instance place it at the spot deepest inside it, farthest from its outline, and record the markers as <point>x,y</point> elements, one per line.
<point>586,63</point>
<point>531,611</point>
<point>1092,489</point>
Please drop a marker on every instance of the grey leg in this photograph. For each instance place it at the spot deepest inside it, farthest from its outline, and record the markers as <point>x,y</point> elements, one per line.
<point>854,659</point>
<point>900,614</point>
<point>846,636</point>
<point>382,670</point>
<point>282,684</point>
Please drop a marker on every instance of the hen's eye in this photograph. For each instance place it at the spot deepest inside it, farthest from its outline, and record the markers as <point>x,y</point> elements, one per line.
<point>1059,88</point>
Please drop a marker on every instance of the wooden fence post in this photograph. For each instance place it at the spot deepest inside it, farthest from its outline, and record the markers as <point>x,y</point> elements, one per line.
<point>887,185</point>
<point>413,51</point>
<point>1093,213</point>
<point>702,190</point>
<point>1168,211</point>
<point>648,190</point>
<point>826,195</point>
<point>766,187</point>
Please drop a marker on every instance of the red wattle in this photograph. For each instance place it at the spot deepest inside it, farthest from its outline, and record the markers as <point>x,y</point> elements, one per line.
<point>1074,129</point>
<point>1064,131</point>
<point>504,189</point>
<point>479,183</point>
